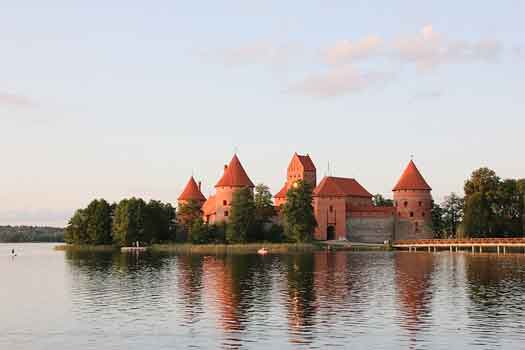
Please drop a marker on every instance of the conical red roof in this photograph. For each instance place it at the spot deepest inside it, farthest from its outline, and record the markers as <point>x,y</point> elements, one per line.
<point>411,179</point>
<point>191,192</point>
<point>234,175</point>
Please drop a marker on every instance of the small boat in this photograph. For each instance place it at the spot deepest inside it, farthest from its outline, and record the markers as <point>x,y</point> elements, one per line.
<point>262,251</point>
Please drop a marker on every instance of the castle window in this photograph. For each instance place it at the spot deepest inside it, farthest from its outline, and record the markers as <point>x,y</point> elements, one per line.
<point>226,213</point>
<point>411,214</point>
<point>406,204</point>
<point>224,202</point>
<point>423,214</point>
<point>417,226</point>
<point>331,209</point>
<point>395,203</point>
<point>420,203</point>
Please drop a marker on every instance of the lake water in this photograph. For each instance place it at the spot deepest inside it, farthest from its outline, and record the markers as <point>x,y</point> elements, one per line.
<point>359,300</point>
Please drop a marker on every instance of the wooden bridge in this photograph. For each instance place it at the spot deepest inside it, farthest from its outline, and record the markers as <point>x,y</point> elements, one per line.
<point>472,244</point>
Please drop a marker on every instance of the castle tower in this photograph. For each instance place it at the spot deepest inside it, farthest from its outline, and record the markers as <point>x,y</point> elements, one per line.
<point>413,202</point>
<point>192,192</point>
<point>233,178</point>
<point>300,168</point>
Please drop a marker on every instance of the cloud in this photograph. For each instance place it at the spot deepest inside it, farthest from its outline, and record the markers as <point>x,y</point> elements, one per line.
<point>16,100</point>
<point>429,49</point>
<point>262,53</point>
<point>339,81</point>
<point>345,51</point>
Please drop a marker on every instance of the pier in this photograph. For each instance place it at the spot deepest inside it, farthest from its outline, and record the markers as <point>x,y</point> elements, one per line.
<point>498,245</point>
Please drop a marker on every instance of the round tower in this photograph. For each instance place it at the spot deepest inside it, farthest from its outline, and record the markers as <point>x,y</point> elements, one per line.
<point>413,202</point>
<point>192,192</point>
<point>233,178</point>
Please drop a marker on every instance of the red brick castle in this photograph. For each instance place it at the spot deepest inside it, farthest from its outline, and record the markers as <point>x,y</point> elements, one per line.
<point>342,206</point>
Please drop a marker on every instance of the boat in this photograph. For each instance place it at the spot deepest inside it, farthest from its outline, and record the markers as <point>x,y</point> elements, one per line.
<point>262,251</point>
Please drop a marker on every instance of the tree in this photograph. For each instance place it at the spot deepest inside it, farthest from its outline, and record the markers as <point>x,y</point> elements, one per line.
<point>453,207</point>
<point>76,229</point>
<point>474,219</point>
<point>159,222</point>
<point>264,212</point>
<point>379,201</point>
<point>198,232</point>
<point>98,219</point>
<point>298,213</point>
<point>187,213</point>
<point>242,221</point>
<point>437,221</point>
<point>128,223</point>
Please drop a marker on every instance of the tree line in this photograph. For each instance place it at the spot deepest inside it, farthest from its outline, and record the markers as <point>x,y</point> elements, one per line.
<point>491,207</point>
<point>252,219</point>
<point>19,234</point>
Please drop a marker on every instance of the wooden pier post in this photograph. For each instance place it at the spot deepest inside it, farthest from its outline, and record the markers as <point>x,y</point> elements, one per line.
<point>504,250</point>
<point>498,249</point>
<point>429,249</point>
<point>473,251</point>
<point>450,249</point>
<point>480,249</point>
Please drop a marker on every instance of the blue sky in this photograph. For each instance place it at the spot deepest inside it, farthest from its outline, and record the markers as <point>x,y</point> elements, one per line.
<point>101,100</point>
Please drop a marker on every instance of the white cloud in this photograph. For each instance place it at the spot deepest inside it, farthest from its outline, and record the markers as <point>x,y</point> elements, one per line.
<point>15,100</point>
<point>339,81</point>
<point>429,49</point>
<point>345,51</point>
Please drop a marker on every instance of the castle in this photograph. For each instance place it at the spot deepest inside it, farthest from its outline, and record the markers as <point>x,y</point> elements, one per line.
<point>343,208</point>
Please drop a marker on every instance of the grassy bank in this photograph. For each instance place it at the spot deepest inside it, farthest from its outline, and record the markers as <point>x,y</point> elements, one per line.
<point>86,248</point>
<point>247,248</point>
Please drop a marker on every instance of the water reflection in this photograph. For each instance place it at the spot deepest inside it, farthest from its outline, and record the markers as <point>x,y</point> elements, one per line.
<point>414,293</point>
<point>374,300</point>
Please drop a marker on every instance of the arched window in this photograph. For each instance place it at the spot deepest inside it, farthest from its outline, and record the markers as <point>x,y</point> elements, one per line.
<point>423,214</point>
<point>224,202</point>
<point>405,204</point>
<point>226,213</point>
<point>417,226</point>
<point>420,203</point>
<point>331,208</point>
<point>411,214</point>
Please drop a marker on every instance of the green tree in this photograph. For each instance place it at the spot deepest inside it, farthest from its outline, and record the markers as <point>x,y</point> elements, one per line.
<point>481,192</point>
<point>187,213</point>
<point>76,229</point>
<point>264,212</point>
<point>437,221</point>
<point>379,201</point>
<point>242,221</point>
<point>99,220</point>
<point>128,222</point>
<point>298,213</point>
<point>474,222</point>
<point>198,232</point>
<point>159,222</point>
<point>453,207</point>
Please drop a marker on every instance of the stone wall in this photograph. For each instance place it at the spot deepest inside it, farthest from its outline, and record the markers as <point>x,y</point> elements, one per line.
<point>370,228</point>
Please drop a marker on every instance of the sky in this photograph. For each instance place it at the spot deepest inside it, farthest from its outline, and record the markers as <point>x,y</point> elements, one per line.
<point>130,98</point>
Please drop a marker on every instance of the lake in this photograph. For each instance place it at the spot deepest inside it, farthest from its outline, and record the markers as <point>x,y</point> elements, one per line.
<point>360,300</point>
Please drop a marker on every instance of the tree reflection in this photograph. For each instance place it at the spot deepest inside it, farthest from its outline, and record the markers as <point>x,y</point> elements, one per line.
<point>301,302</point>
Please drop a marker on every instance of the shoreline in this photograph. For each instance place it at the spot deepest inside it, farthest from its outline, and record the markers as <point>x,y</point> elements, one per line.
<point>244,248</point>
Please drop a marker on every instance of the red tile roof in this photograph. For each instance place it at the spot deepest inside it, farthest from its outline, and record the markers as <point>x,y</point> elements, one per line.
<point>411,179</point>
<point>306,162</point>
<point>282,192</point>
<point>191,192</point>
<point>208,208</point>
<point>234,175</point>
<point>340,187</point>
